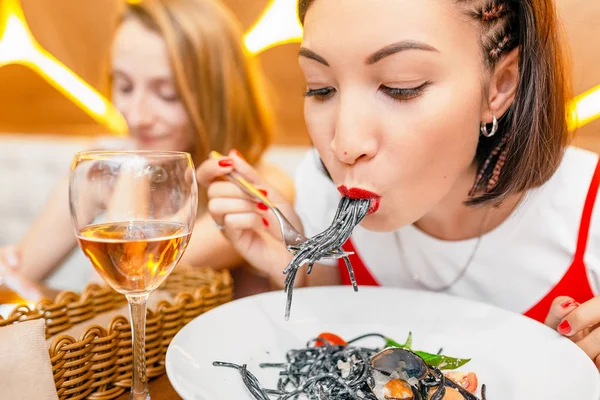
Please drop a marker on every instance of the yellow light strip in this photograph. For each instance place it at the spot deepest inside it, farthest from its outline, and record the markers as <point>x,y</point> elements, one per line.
<point>585,108</point>
<point>277,25</point>
<point>18,46</point>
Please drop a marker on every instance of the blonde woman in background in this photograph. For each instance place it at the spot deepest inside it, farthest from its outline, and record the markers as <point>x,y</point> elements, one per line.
<point>184,82</point>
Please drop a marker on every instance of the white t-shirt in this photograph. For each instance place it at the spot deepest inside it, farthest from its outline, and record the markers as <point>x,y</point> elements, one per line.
<point>515,265</point>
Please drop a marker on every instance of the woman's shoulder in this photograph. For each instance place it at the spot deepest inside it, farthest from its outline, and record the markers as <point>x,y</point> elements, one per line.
<point>563,197</point>
<point>573,177</point>
<point>576,177</point>
<point>579,159</point>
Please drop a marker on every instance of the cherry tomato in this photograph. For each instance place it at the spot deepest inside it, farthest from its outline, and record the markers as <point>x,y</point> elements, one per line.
<point>330,338</point>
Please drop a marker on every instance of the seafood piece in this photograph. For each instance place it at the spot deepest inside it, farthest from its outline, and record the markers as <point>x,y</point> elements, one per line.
<point>396,374</point>
<point>402,362</point>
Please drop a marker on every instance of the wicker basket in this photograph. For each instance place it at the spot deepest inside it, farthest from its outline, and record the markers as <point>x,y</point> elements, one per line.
<point>98,364</point>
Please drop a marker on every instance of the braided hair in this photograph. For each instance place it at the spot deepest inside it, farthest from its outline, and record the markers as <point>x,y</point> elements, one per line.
<point>500,35</point>
<point>533,132</point>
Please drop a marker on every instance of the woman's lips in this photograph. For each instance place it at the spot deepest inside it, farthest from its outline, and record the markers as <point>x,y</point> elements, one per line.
<point>374,205</point>
<point>358,193</point>
<point>147,138</point>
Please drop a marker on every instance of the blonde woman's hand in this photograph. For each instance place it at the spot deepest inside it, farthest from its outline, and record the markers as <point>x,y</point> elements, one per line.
<point>10,277</point>
<point>579,322</point>
<point>250,227</point>
<point>9,257</point>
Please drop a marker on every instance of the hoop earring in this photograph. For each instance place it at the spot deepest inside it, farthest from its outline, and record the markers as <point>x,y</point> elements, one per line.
<point>492,132</point>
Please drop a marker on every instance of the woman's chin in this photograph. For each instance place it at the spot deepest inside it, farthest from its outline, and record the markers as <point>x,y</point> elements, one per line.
<point>380,222</point>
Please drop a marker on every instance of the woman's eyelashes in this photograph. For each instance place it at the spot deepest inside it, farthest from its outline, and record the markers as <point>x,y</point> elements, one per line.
<point>122,85</point>
<point>404,94</point>
<point>320,94</point>
<point>170,96</point>
<point>399,94</point>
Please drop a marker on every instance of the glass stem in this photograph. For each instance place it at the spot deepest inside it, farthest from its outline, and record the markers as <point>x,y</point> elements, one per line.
<point>137,313</point>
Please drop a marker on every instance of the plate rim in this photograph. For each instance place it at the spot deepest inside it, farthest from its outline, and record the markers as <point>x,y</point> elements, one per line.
<point>169,365</point>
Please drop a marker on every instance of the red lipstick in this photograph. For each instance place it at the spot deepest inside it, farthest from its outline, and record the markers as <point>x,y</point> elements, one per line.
<point>357,193</point>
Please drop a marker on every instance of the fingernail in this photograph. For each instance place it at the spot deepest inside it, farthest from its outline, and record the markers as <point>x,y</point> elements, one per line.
<point>264,192</point>
<point>564,328</point>
<point>237,152</point>
<point>569,303</point>
<point>226,162</point>
<point>265,222</point>
<point>262,206</point>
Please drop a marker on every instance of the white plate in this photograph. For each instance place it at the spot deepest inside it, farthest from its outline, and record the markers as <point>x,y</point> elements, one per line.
<point>517,358</point>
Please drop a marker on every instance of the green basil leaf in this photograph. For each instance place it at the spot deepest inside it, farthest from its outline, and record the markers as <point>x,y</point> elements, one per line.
<point>442,362</point>
<point>408,343</point>
<point>391,343</point>
<point>435,360</point>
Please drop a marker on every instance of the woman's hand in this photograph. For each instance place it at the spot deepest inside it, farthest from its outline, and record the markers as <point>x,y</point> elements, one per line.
<point>10,277</point>
<point>250,227</point>
<point>579,322</point>
<point>9,257</point>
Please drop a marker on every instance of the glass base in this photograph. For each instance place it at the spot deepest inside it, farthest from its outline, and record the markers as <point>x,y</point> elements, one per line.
<point>139,396</point>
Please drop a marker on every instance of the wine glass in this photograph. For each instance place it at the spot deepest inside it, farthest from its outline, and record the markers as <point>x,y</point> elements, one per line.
<point>133,213</point>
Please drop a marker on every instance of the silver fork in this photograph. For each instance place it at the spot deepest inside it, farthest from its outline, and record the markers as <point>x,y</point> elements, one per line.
<point>290,235</point>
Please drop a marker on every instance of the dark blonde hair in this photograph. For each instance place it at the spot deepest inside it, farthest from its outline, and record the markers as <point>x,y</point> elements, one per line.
<point>533,134</point>
<point>216,78</point>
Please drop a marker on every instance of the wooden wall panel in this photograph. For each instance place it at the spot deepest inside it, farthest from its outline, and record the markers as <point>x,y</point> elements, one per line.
<point>76,32</point>
<point>287,87</point>
<point>30,104</point>
<point>581,20</point>
<point>285,80</point>
<point>79,32</point>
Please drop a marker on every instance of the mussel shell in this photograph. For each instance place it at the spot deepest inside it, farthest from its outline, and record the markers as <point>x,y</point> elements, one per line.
<point>404,362</point>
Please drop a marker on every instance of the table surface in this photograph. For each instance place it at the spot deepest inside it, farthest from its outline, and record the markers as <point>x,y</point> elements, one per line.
<point>247,283</point>
<point>160,389</point>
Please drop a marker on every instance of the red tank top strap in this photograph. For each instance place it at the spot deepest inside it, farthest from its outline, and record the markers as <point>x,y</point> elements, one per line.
<point>575,282</point>
<point>361,273</point>
<point>586,217</point>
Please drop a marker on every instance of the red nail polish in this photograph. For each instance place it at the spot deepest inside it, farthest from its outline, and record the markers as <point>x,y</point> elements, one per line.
<point>262,206</point>
<point>564,327</point>
<point>237,152</point>
<point>226,162</point>
<point>569,303</point>
<point>264,192</point>
<point>265,222</point>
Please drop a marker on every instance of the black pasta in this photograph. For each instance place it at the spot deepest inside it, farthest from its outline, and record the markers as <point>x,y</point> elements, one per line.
<point>340,372</point>
<point>349,214</point>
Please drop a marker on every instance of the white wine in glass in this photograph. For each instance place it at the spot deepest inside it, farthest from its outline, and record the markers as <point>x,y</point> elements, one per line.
<point>134,256</point>
<point>133,213</point>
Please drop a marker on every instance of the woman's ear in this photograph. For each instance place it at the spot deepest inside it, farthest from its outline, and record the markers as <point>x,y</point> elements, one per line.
<point>502,86</point>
